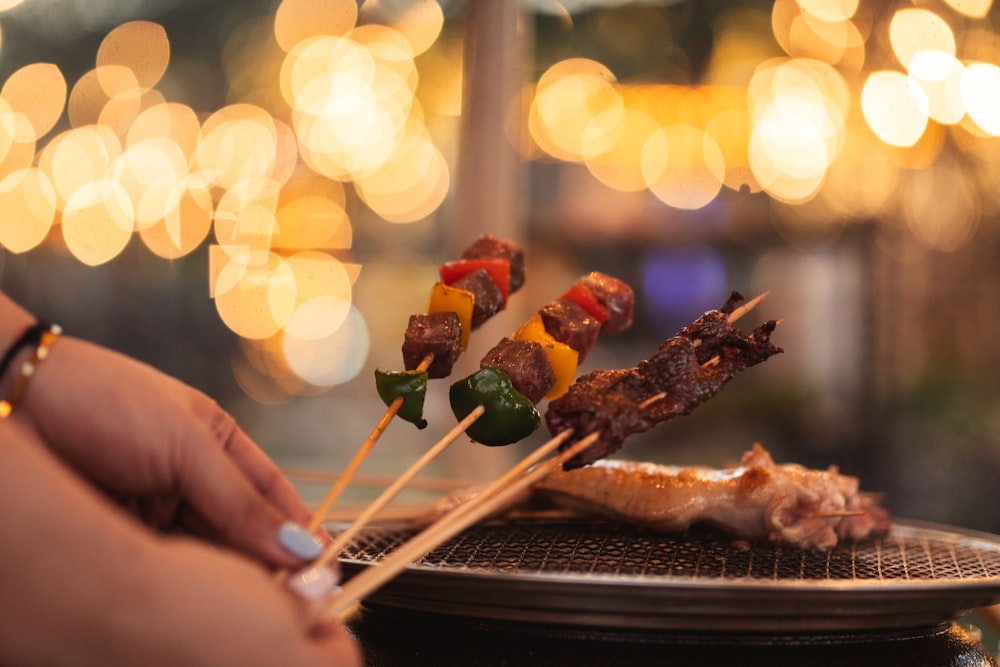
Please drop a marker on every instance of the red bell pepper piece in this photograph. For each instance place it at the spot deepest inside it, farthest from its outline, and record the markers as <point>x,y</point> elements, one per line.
<point>584,298</point>
<point>497,267</point>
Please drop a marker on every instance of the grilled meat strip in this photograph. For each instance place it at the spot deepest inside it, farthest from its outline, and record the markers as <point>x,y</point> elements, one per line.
<point>617,403</point>
<point>758,499</point>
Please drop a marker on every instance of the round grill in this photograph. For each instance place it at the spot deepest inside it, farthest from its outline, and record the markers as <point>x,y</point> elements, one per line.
<point>609,575</point>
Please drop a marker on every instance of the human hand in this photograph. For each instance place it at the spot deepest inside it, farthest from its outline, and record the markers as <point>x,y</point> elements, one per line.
<point>165,450</point>
<point>85,585</point>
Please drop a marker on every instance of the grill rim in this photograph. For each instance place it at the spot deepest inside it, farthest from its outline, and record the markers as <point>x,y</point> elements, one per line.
<point>680,602</point>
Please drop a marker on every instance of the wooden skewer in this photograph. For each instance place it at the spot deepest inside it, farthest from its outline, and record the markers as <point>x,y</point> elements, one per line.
<point>307,476</point>
<point>714,361</point>
<point>345,536</point>
<point>394,407</point>
<point>471,511</point>
<point>831,514</point>
<point>741,311</point>
<point>359,456</point>
<point>747,307</point>
<point>733,316</point>
<point>652,399</point>
<point>454,522</point>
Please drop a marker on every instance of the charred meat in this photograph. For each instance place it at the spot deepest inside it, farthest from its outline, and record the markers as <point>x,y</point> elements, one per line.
<point>686,370</point>
<point>569,323</point>
<point>438,334</point>
<point>617,298</point>
<point>487,297</point>
<point>525,363</point>
<point>491,246</point>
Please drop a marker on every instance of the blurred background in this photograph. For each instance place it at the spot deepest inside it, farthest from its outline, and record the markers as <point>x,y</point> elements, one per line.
<point>255,196</point>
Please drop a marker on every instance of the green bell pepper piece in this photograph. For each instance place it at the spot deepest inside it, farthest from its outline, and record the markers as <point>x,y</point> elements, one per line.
<point>510,416</point>
<point>411,386</point>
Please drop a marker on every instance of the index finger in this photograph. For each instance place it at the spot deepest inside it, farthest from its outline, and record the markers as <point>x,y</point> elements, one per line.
<point>258,468</point>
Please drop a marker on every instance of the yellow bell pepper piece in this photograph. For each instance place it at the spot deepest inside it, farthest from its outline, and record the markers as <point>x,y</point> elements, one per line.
<point>447,299</point>
<point>562,357</point>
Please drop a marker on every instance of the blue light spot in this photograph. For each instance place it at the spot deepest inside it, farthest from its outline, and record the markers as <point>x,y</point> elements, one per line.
<point>681,283</point>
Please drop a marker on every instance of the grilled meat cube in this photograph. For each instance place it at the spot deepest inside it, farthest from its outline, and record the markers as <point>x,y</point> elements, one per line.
<point>487,299</point>
<point>439,334</point>
<point>491,246</point>
<point>525,363</point>
<point>570,324</point>
<point>617,298</point>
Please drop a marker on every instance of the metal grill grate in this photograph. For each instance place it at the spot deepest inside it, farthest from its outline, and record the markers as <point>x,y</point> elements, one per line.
<point>592,549</point>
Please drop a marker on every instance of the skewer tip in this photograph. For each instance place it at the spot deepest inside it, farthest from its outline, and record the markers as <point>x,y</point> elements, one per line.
<point>747,306</point>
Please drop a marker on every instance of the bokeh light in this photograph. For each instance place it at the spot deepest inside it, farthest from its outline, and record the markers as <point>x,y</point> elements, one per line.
<point>913,31</point>
<point>895,107</point>
<point>827,108</point>
<point>981,95</point>
<point>28,202</point>
<point>39,92</point>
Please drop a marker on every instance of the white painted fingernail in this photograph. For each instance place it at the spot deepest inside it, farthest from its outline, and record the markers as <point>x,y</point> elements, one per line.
<point>298,541</point>
<point>313,583</point>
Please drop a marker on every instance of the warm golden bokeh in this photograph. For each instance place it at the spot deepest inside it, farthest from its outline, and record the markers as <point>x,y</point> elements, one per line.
<point>683,166</point>
<point>140,46</point>
<point>296,21</point>
<point>28,202</point>
<point>976,9</point>
<point>830,108</point>
<point>980,92</point>
<point>420,23</point>
<point>895,107</point>
<point>264,186</point>
<point>39,92</point>
<point>913,31</point>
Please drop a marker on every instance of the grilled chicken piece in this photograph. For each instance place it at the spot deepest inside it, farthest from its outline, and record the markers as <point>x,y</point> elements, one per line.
<point>756,500</point>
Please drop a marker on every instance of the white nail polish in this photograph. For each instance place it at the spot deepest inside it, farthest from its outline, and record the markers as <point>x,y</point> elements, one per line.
<point>313,583</point>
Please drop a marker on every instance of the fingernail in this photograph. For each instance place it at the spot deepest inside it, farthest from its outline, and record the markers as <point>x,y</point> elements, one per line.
<point>298,541</point>
<point>313,583</point>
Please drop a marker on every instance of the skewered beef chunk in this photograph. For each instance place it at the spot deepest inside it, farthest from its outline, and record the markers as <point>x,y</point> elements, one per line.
<point>439,334</point>
<point>487,299</point>
<point>491,246</point>
<point>684,370</point>
<point>616,296</point>
<point>525,363</point>
<point>570,324</point>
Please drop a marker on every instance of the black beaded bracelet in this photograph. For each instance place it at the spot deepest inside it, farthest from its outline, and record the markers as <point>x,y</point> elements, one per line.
<point>42,337</point>
<point>30,337</point>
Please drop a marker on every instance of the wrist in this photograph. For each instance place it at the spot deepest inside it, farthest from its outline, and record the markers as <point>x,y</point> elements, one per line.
<point>21,361</point>
<point>13,321</point>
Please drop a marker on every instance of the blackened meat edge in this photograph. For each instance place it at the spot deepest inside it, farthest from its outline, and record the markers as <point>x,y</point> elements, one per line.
<point>613,402</point>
